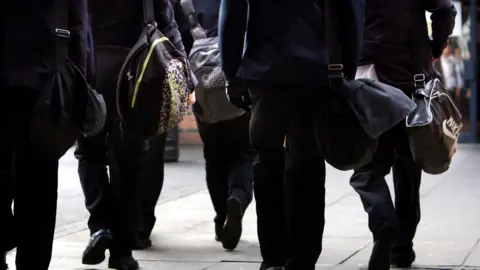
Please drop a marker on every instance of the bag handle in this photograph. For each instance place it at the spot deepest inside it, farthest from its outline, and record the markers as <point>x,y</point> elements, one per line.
<point>335,66</point>
<point>148,12</point>
<point>198,32</point>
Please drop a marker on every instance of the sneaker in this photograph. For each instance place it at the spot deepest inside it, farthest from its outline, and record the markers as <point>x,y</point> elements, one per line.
<point>98,244</point>
<point>232,231</point>
<point>123,263</point>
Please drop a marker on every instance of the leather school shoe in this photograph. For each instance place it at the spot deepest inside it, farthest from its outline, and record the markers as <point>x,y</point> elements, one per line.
<point>232,231</point>
<point>99,242</point>
<point>263,266</point>
<point>123,263</point>
<point>380,258</point>
<point>142,244</point>
<point>403,261</point>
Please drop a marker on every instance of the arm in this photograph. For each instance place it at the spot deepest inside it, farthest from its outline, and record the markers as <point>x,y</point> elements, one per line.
<point>443,21</point>
<point>183,25</point>
<point>232,26</point>
<point>165,18</point>
<point>77,24</point>
<point>352,20</point>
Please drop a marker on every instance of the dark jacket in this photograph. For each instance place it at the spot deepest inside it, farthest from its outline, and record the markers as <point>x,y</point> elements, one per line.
<point>396,37</point>
<point>29,41</point>
<point>91,60</point>
<point>120,22</point>
<point>285,40</point>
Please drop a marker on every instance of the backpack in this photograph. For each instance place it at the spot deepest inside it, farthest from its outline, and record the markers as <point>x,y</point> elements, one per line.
<point>154,83</point>
<point>212,104</point>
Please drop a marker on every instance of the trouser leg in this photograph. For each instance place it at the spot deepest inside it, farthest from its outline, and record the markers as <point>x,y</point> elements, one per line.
<point>268,127</point>
<point>152,177</point>
<point>216,168</point>
<point>7,222</point>
<point>369,182</point>
<point>305,184</point>
<point>92,171</point>
<point>407,179</point>
<point>35,197</point>
<point>242,155</point>
<point>126,157</point>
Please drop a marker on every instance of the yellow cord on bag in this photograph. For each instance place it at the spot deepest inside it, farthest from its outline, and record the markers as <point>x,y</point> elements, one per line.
<point>144,67</point>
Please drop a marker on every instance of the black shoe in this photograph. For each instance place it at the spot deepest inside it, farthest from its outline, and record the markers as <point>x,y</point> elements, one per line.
<point>403,261</point>
<point>142,243</point>
<point>3,262</point>
<point>232,231</point>
<point>123,263</point>
<point>380,258</point>
<point>267,267</point>
<point>98,244</point>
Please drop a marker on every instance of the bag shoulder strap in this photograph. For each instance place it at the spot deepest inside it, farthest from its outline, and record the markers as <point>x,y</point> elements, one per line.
<point>335,66</point>
<point>149,12</point>
<point>61,31</point>
<point>419,77</point>
<point>198,32</point>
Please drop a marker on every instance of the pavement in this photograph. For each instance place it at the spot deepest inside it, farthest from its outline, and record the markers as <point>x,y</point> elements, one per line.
<point>448,236</point>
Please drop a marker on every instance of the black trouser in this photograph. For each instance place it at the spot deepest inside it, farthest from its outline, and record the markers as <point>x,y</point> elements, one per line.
<point>135,174</point>
<point>229,162</point>
<point>151,177</point>
<point>30,178</point>
<point>113,204</point>
<point>369,182</point>
<point>298,200</point>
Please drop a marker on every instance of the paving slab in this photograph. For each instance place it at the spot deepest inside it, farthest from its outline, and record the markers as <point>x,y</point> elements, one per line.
<point>447,236</point>
<point>451,210</point>
<point>474,257</point>
<point>437,252</point>
<point>248,266</point>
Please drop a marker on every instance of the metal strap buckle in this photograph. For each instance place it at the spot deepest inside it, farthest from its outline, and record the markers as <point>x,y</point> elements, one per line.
<point>62,33</point>
<point>335,71</point>
<point>419,80</point>
<point>335,67</point>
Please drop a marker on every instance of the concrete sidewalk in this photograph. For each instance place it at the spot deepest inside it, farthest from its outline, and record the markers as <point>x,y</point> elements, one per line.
<point>448,236</point>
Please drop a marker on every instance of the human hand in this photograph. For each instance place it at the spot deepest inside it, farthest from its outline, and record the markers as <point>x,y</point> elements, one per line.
<point>191,98</point>
<point>237,93</point>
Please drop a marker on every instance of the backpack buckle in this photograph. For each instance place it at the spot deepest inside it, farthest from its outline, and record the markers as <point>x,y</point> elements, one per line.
<point>419,80</point>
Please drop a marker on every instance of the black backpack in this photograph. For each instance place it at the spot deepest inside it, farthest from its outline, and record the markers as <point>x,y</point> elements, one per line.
<point>212,104</point>
<point>154,83</point>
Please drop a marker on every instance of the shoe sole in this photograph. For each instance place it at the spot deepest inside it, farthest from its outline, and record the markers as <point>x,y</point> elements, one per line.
<point>119,266</point>
<point>143,245</point>
<point>233,228</point>
<point>95,253</point>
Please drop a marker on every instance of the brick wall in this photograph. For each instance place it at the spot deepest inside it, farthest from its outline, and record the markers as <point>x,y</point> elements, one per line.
<point>188,131</point>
